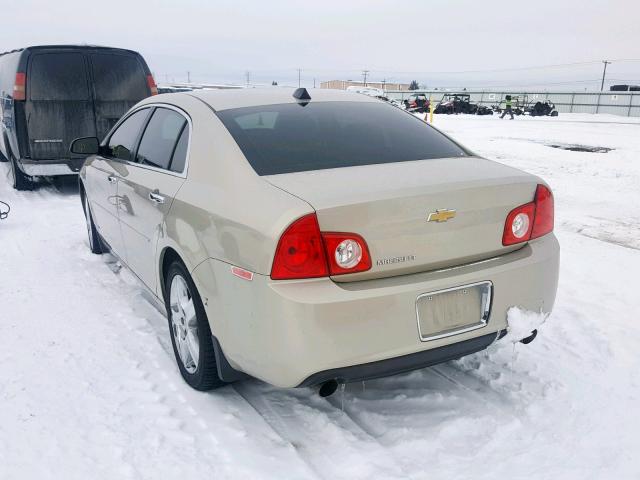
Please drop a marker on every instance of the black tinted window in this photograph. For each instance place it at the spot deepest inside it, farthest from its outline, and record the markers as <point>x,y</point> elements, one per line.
<point>124,138</point>
<point>58,76</point>
<point>291,138</point>
<point>180,153</point>
<point>118,77</point>
<point>160,137</point>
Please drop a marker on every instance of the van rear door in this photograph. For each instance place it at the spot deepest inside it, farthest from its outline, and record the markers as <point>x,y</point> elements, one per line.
<point>120,81</point>
<point>59,107</point>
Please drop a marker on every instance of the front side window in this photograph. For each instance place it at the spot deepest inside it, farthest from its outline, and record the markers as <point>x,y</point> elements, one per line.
<point>124,138</point>
<point>291,137</point>
<point>160,138</point>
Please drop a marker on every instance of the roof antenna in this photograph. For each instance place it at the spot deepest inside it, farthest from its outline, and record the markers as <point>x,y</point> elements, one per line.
<point>301,94</point>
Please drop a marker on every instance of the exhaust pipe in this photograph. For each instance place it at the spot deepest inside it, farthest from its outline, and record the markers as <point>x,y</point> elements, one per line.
<point>530,338</point>
<point>328,388</point>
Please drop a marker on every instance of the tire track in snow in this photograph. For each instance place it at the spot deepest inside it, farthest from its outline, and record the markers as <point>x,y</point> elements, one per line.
<point>201,421</point>
<point>310,423</point>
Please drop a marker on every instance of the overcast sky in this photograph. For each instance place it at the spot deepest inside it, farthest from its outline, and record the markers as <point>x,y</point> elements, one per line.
<point>218,41</point>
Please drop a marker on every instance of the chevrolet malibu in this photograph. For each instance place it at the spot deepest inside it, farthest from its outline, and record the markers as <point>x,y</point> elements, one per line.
<point>315,237</point>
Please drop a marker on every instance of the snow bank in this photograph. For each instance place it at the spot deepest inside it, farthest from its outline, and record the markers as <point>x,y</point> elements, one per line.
<point>89,387</point>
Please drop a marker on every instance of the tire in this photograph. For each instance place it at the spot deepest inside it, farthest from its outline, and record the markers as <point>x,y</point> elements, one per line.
<point>21,181</point>
<point>190,338</point>
<point>95,244</point>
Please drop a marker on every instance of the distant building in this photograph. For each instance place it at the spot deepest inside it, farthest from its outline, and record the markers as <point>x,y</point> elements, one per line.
<point>343,84</point>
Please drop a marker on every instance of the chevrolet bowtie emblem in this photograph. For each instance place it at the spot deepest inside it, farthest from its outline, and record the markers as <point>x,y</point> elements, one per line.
<point>441,215</point>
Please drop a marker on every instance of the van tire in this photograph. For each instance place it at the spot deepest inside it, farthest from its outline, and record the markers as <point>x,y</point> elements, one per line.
<point>21,181</point>
<point>205,376</point>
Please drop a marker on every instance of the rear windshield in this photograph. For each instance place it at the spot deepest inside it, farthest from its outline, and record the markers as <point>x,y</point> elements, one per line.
<point>289,138</point>
<point>58,76</point>
<point>118,77</point>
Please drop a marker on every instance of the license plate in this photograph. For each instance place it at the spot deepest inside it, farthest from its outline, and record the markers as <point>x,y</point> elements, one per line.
<point>453,311</point>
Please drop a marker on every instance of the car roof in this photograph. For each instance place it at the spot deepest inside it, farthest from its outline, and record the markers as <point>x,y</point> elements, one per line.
<point>254,97</point>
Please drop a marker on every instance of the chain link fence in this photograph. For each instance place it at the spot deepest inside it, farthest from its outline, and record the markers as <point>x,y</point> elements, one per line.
<point>617,103</point>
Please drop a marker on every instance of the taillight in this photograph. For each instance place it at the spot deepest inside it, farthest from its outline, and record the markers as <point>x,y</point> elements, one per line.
<point>543,223</point>
<point>300,253</point>
<point>152,85</point>
<point>19,87</point>
<point>305,252</point>
<point>346,252</point>
<point>531,220</point>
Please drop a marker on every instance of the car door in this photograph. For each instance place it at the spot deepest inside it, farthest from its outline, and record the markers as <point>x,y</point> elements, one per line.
<point>148,187</point>
<point>102,176</point>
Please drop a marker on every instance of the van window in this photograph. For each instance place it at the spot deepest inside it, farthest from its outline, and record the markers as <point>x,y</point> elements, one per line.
<point>124,138</point>
<point>160,137</point>
<point>291,137</point>
<point>58,76</point>
<point>118,77</point>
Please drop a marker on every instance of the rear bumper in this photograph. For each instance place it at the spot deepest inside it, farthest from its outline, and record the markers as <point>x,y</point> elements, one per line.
<point>406,363</point>
<point>291,333</point>
<point>50,168</point>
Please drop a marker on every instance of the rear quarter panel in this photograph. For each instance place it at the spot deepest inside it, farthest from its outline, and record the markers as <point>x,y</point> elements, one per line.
<point>224,210</point>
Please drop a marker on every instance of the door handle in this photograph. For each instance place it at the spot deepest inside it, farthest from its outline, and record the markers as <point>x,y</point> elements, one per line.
<point>156,198</point>
<point>112,179</point>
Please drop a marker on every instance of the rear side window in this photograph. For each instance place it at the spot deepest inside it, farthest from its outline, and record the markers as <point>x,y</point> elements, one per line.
<point>118,77</point>
<point>180,154</point>
<point>289,138</point>
<point>124,138</point>
<point>160,138</point>
<point>58,76</point>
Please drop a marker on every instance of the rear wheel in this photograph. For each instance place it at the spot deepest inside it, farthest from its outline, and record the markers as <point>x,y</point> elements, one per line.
<point>190,331</point>
<point>94,239</point>
<point>21,181</point>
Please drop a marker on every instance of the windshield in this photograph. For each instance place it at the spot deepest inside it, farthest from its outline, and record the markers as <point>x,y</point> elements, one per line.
<point>291,137</point>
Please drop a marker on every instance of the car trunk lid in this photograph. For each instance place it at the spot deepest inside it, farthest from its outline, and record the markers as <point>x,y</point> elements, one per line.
<point>390,205</point>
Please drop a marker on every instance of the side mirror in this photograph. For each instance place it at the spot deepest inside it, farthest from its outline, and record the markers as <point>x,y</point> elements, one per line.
<point>85,146</point>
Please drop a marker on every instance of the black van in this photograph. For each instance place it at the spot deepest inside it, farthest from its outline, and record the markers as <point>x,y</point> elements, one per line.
<point>50,95</point>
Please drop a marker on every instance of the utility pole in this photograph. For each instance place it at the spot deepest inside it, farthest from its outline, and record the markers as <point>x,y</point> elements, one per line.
<point>364,74</point>
<point>604,72</point>
<point>299,72</point>
<point>247,75</point>
<point>314,82</point>
<point>188,77</point>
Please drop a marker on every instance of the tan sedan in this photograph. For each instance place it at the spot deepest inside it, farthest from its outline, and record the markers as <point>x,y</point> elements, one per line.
<point>309,238</point>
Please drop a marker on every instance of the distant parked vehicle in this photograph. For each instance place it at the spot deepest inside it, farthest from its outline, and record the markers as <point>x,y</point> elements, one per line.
<point>461,103</point>
<point>170,89</point>
<point>417,103</point>
<point>50,95</point>
<point>540,109</point>
<point>624,88</point>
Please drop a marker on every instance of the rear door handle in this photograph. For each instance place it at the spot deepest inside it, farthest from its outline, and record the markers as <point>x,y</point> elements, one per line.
<point>112,179</point>
<point>156,198</point>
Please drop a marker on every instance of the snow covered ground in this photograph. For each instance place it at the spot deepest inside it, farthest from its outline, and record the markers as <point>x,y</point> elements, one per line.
<point>89,387</point>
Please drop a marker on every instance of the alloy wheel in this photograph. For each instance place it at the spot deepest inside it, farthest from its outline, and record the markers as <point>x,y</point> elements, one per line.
<point>184,324</point>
